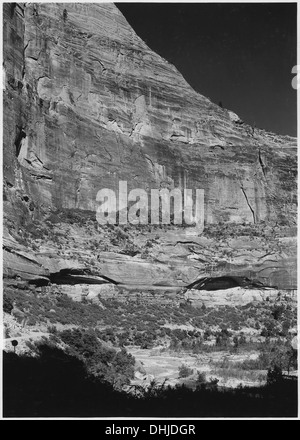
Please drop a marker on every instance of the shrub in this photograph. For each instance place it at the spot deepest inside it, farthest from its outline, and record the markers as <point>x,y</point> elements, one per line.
<point>185,371</point>
<point>201,379</point>
<point>274,375</point>
<point>7,304</point>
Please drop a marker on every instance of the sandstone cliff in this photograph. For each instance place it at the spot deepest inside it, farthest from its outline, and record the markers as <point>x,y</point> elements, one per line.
<point>86,104</point>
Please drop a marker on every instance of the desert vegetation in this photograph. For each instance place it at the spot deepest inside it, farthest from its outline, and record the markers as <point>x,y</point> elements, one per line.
<point>111,328</point>
<point>56,383</point>
<point>115,367</point>
<point>141,323</point>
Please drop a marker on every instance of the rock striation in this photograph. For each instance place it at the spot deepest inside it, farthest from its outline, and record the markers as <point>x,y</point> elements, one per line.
<point>86,104</point>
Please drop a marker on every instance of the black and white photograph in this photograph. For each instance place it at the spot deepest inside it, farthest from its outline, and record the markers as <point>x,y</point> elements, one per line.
<point>149,227</point>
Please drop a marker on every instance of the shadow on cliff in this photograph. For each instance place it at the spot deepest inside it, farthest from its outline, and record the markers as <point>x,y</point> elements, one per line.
<point>57,385</point>
<point>225,282</point>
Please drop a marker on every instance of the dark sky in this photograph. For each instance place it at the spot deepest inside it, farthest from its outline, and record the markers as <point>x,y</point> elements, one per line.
<point>240,54</point>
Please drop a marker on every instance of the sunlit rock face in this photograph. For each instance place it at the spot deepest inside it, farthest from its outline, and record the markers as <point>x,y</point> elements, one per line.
<point>87,104</point>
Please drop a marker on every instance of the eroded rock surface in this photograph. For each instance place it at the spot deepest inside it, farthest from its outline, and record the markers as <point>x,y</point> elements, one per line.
<point>87,104</point>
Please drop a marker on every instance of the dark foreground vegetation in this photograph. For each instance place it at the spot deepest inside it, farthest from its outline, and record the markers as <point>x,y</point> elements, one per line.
<point>55,383</point>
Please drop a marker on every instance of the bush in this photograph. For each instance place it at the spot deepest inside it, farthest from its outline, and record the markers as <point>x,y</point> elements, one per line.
<point>7,304</point>
<point>201,379</point>
<point>274,375</point>
<point>185,371</point>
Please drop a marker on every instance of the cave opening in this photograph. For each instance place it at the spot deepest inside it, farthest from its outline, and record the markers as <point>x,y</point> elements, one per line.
<point>223,283</point>
<point>73,277</point>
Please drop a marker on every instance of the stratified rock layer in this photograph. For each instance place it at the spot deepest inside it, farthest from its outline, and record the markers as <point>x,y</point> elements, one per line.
<point>87,104</point>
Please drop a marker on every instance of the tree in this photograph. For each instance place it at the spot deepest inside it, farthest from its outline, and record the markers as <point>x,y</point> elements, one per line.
<point>201,379</point>
<point>292,359</point>
<point>7,304</point>
<point>242,340</point>
<point>207,334</point>
<point>222,338</point>
<point>285,326</point>
<point>236,341</point>
<point>184,371</point>
<point>274,375</point>
<point>277,312</point>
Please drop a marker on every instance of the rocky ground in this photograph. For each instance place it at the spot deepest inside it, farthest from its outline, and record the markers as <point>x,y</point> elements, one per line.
<point>165,258</point>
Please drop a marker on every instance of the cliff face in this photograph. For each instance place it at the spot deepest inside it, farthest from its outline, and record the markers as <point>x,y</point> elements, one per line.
<point>87,104</point>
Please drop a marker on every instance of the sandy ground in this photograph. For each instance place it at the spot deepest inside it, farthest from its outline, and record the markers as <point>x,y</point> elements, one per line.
<point>160,366</point>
